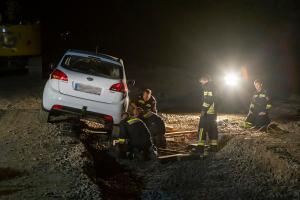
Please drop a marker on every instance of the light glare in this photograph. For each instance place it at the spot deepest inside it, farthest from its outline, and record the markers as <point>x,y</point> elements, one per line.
<point>231,79</point>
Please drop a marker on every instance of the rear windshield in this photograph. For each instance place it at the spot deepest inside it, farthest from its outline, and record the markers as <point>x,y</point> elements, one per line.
<point>92,66</point>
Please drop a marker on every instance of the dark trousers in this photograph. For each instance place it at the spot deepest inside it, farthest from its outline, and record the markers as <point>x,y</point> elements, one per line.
<point>208,125</point>
<point>159,141</point>
<point>257,120</point>
<point>145,152</point>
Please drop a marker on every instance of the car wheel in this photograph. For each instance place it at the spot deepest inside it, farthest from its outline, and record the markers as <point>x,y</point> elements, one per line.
<point>43,116</point>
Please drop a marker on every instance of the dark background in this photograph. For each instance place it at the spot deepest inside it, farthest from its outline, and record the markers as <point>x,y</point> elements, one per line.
<point>189,36</point>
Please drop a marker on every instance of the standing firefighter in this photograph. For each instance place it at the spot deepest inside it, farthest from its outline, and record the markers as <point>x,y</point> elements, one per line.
<point>259,108</point>
<point>208,123</point>
<point>145,101</point>
<point>135,134</point>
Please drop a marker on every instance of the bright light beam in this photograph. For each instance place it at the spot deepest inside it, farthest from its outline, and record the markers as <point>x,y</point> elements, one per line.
<point>231,79</point>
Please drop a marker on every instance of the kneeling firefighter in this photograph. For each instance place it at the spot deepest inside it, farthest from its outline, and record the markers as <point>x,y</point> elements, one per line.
<point>155,125</point>
<point>135,138</point>
<point>258,116</point>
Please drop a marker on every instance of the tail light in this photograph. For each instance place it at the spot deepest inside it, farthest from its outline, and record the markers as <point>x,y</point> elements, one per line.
<point>119,87</point>
<point>57,107</point>
<point>108,118</point>
<point>59,75</point>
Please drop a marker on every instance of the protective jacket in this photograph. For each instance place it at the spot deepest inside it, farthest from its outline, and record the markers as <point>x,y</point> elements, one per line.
<point>260,102</point>
<point>156,127</point>
<point>136,132</point>
<point>149,105</point>
<point>208,124</point>
<point>208,99</point>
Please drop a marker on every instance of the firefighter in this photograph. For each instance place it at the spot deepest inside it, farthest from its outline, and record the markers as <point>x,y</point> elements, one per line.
<point>208,123</point>
<point>155,125</point>
<point>259,108</point>
<point>135,134</point>
<point>145,101</point>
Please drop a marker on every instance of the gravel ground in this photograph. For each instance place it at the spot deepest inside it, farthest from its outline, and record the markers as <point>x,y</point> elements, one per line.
<point>38,161</point>
<point>46,163</point>
<point>252,165</point>
<point>60,161</point>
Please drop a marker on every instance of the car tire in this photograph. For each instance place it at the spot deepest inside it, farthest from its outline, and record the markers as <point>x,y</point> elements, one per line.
<point>44,116</point>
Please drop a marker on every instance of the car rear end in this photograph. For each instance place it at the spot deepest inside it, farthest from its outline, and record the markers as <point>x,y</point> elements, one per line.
<point>87,85</point>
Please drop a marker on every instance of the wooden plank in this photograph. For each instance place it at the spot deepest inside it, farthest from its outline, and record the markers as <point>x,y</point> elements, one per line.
<point>169,138</point>
<point>180,133</point>
<point>170,129</point>
<point>178,157</point>
<point>170,150</point>
<point>173,156</point>
<point>94,131</point>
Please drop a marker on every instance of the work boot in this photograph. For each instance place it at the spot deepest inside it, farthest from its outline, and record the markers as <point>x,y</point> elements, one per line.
<point>246,125</point>
<point>198,150</point>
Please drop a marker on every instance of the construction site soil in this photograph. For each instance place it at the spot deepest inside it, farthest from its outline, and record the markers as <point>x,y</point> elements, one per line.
<point>70,160</point>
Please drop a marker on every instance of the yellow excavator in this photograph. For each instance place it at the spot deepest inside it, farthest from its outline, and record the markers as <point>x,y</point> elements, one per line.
<point>17,44</point>
<point>20,38</point>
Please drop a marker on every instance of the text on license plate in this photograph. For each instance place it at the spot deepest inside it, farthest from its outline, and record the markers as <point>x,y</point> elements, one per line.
<point>87,88</point>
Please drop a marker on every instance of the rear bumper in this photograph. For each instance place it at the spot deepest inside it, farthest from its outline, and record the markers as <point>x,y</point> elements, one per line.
<point>75,111</point>
<point>81,107</point>
<point>104,119</point>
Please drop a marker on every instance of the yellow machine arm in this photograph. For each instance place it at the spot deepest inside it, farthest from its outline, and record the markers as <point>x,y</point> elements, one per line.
<point>20,40</point>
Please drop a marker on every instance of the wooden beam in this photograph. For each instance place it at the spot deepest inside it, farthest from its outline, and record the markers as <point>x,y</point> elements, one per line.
<point>94,131</point>
<point>180,133</point>
<point>178,157</point>
<point>170,150</point>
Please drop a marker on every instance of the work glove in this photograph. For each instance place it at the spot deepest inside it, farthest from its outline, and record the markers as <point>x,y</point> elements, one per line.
<point>119,141</point>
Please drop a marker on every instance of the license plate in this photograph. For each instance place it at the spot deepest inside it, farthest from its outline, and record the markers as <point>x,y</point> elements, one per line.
<point>87,89</point>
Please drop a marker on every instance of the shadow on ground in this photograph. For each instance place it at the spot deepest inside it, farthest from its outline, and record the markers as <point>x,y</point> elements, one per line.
<point>8,174</point>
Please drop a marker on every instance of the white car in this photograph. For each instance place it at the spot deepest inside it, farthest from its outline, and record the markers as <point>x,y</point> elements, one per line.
<point>87,84</point>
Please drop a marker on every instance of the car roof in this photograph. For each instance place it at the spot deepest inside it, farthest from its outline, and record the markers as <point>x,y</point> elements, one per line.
<point>104,57</point>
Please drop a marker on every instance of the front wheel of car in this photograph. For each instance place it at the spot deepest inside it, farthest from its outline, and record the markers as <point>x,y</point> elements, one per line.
<point>43,116</point>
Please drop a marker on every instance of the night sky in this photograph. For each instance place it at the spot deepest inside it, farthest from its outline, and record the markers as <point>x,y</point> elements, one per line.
<point>198,35</point>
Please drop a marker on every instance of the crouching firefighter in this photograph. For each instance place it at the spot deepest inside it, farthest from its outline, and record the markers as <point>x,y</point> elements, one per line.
<point>146,101</point>
<point>208,123</point>
<point>135,139</point>
<point>259,108</point>
<point>155,125</point>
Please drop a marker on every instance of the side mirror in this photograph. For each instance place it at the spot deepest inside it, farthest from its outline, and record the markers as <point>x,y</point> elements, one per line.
<point>131,83</point>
